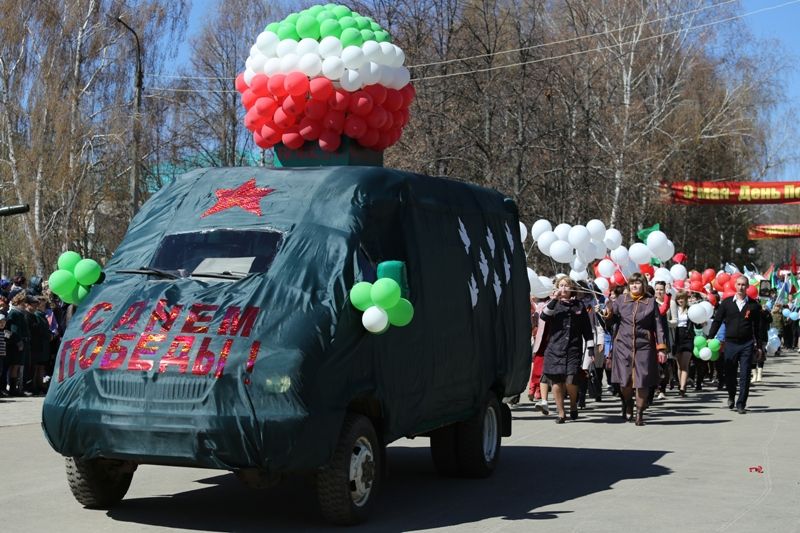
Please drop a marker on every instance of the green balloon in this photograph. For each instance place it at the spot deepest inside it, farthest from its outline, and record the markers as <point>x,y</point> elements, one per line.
<point>699,341</point>
<point>341,12</point>
<point>307,26</point>
<point>288,31</point>
<point>62,282</point>
<point>273,27</point>
<point>348,22</point>
<point>401,314</point>
<point>326,15</point>
<point>360,295</point>
<point>382,36</point>
<point>385,293</point>
<point>374,26</point>
<point>82,293</point>
<point>351,37</point>
<point>316,10</point>
<point>367,35</point>
<point>330,28</point>
<point>696,352</point>
<point>72,297</point>
<point>362,23</point>
<point>87,272</point>
<point>714,344</point>
<point>68,260</point>
<point>292,19</point>
<point>714,356</point>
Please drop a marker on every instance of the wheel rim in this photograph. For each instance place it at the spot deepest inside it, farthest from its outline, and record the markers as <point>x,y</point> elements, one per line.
<point>489,434</point>
<point>362,471</point>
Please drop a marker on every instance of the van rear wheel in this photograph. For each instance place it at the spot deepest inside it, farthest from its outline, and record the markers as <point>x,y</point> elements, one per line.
<point>347,486</point>
<point>98,483</point>
<point>478,443</point>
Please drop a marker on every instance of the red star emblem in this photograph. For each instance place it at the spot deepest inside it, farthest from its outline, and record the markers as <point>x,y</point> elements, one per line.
<point>247,196</point>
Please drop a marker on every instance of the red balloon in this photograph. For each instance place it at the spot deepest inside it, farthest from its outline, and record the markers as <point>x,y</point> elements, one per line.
<point>240,84</point>
<point>712,298</point>
<point>293,140</point>
<point>266,106</point>
<point>361,103</point>
<point>680,257</point>
<point>296,83</point>
<point>697,286</point>
<point>734,277</point>
<point>261,142</point>
<point>321,89</point>
<point>717,286</point>
<point>276,85</point>
<point>752,292</point>
<point>310,129</point>
<point>729,287</point>
<point>694,275</point>
<point>354,126</point>
<point>723,278</point>
<point>408,92</point>
<point>647,269</point>
<point>339,100</point>
<point>678,284</point>
<point>329,140</point>
<point>397,119</point>
<point>394,100</point>
<point>728,294</point>
<point>377,92</point>
<point>708,275</point>
<point>294,105</point>
<point>377,118</point>
<point>271,134</point>
<point>389,122</point>
<point>260,85</point>
<point>316,109</point>
<point>370,138</point>
<point>283,119</point>
<point>253,120</point>
<point>611,284</point>
<point>333,120</point>
<point>248,99</point>
<point>619,279</point>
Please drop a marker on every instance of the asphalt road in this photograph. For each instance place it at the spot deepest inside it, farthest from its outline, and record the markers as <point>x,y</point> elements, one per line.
<point>696,466</point>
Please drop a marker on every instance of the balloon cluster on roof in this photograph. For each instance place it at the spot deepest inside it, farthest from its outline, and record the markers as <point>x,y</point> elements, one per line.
<point>323,73</point>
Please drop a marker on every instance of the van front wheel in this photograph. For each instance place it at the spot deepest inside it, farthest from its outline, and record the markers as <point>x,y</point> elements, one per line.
<point>98,483</point>
<point>478,443</point>
<point>347,486</point>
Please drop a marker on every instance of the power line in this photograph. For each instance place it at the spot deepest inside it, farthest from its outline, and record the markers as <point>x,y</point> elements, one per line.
<point>533,47</point>
<point>580,52</point>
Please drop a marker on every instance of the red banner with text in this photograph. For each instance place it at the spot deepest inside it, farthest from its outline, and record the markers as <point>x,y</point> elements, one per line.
<point>732,192</point>
<point>773,231</point>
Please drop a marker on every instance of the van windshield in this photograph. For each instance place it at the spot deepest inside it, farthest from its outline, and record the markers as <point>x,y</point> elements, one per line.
<point>221,252</point>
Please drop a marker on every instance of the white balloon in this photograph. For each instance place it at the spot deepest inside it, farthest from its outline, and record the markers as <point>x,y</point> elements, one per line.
<point>578,236</point>
<point>602,284</point>
<point>613,238</point>
<point>248,63</point>
<point>562,230</point>
<point>580,275</point>
<point>585,254</point>
<point>402,77</point>
<point>547,283</point>
<point>697,314</point>
<point>667,251</point>
<point>257,62</point>
<point>705,353</point>
<point>619,255</point>
<point>248,76</point>
<point>272,66</point>
<point>639,253</point>
<point>400,56</point>
<point>289,62</point>
<point>333,68</point>
<point>662,274</point>
<point>307,46</point>
<point>561,251</point>
<point>286,47</point>
<point>578,263</point>
<point>255,51</point>
<point>370,73</point>
<point>678,271</point>
<point>523,232</point>
<point>375,319</point>
<point>539,227</point>
<point>267,42</point>
<point>351,80</point>
<point>545,240</point>
<point>606,267</point>
<point>330,47</point>
<point>599,249</point>
<point>629,268</point>
<point>597,229</point>
<point>372,51</point>
<point>310,65</point>
<point>388,54</point>
<point>533,281</point>
<point>353,57</point>
<point>708,308</point>
<point>656,240</point>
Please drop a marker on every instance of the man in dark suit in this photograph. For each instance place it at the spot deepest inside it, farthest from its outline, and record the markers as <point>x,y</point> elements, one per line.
<point>743,340</point>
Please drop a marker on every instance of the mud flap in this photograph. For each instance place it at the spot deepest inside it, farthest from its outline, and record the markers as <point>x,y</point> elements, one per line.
<point>505,420</point>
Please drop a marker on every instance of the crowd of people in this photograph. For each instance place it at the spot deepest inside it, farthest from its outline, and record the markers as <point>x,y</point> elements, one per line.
<point>640,338</point>
<point>33,322</point>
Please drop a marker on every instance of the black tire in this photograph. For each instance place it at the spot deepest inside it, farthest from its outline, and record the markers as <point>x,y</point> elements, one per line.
<point>443,451</point>
<point>478,456</point>
<point>346,501</point>
<point>97,483</point>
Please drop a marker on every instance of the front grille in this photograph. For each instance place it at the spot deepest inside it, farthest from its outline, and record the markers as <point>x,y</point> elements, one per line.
<point>156,388</point>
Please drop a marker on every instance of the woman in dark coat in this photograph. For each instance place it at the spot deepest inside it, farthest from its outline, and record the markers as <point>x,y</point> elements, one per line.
<point>639,345</point>
<point>568,328</point>
<point>18,344</point>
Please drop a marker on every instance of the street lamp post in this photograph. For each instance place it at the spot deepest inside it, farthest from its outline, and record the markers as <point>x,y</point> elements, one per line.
<point>137,122</point>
